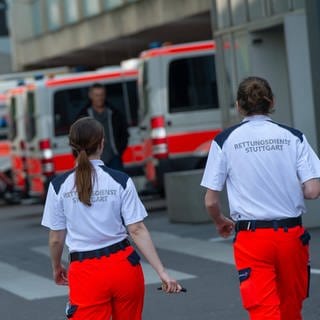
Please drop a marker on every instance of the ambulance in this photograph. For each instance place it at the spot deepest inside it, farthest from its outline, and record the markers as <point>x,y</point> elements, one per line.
<point>179,109</point>
<point>52,105</point>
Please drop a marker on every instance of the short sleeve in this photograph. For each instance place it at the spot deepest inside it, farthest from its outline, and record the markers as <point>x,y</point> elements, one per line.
<point>132,209</point>
<point>215,172</point>
<point>53,215</point>
<point>308,163</point>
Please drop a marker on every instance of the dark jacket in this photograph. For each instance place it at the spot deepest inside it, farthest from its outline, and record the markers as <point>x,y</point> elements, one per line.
<point>119,125</point>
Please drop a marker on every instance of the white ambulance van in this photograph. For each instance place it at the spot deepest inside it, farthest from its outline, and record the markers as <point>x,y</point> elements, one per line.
<point>179,107</point>
<point>52,105</point>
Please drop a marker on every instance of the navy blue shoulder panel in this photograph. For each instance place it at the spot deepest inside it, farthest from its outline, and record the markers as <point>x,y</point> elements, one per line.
<point>294,131</point>
<point>119,176</point>
<point>59,180</point>
<point>223,136</point>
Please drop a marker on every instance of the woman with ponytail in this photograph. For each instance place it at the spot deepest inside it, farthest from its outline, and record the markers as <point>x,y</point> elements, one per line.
<point>91,209</point>
<point>269,169</point>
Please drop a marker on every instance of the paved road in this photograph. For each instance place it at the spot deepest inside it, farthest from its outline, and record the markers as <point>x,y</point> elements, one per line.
<point>194,254</point>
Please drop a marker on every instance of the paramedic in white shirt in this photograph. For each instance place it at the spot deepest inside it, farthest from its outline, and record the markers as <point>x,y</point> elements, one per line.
<point>91,208</point>
<point>269,169</point>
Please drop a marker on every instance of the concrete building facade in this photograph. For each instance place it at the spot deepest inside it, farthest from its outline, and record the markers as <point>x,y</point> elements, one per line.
<point>93,33</point>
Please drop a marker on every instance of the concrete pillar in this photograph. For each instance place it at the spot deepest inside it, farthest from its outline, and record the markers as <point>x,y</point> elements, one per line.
<point>185,197</point>
<point>313,24</point>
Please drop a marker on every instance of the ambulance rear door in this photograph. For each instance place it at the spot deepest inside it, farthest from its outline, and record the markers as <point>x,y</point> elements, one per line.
<point>17,138</point>
<point>152,101</point>
<point>38,135</point>
<point>5,163</point>
<point>192,116</point>
<point>133,155</point>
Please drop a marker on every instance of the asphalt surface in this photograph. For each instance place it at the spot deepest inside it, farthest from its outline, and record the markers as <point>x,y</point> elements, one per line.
<point>192,252</point>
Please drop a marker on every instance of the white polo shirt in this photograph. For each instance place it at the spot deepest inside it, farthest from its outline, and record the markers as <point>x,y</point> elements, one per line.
<point>115,203</point>
<point>264,165</point>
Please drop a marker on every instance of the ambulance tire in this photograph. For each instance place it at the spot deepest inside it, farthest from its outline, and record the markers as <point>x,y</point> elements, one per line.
<point>8,193</point>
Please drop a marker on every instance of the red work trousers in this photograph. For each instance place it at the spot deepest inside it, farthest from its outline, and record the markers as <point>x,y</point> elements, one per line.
<point>105,287</point>
<point>274,272</point>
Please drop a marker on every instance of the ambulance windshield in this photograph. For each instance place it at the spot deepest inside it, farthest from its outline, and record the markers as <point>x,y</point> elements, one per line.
<point>71,103</point>
<point>3,121</point>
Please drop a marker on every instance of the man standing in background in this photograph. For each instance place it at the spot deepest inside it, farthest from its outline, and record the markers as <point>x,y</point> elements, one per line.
<point>114,123</point>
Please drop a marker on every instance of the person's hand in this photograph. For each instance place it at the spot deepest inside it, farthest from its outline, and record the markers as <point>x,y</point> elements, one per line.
<point>60,275</point>
<point>169,285</point>
<point>224,226</point>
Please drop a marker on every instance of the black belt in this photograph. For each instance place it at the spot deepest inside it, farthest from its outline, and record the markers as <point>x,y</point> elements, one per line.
<point>265,224</point>
<point>98,253</point>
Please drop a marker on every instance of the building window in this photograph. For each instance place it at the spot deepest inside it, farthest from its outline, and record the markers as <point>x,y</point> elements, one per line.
<point>279,6</point>
<point>298,4</point>
<point>241,49</point>
<point>91,7</point>
<point>229,69</point>
<point>111,4</point>
<point>223,13</point>
<point>37,17</point>
<point>54,16</point>
<point>71,11</point>
<point>239,11</point>
<point>256,9</point>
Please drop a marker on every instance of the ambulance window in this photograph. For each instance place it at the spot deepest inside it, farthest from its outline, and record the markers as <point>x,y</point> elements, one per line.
<point>192,84</point>
<point>115,97</point>
<point>68,105</point>
<point>3,122</point>
<point>132,92</point>
<point>13,120</point>
<point>30,117</point>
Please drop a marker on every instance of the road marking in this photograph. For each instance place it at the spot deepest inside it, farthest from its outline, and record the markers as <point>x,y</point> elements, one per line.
<point>151,277</point>
<point>210,250</point>
<point>28,285</point>
<point>218,239</point>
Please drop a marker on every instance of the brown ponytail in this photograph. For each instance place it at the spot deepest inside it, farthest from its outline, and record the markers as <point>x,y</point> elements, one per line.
<point>255,96</point>
<point>85,137</point>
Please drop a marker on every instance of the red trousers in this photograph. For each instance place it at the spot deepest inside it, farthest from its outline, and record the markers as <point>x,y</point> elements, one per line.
<point>105,287</point>
<point>274,272</point>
